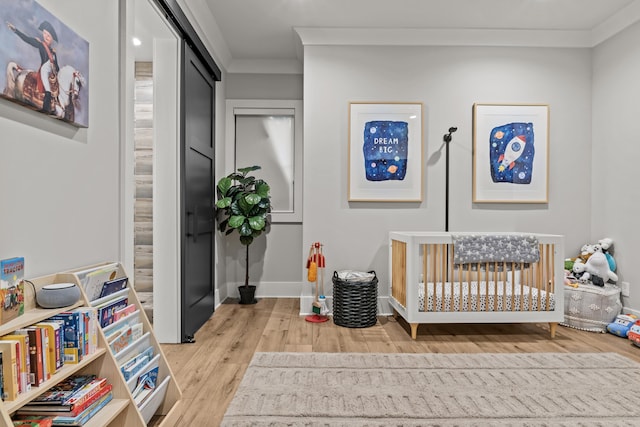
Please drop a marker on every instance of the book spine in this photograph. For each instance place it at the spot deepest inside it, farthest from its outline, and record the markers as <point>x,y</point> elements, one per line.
<point>15,371</point>
<point>35,342</point>
<point>23,358</point>
<point>71,336</point>
<point>78,408</point>
<point>9,370</point>
<point>86,392</point>
<point>1,377</point>
<point>46,366</point>
<point>87,414</point>
<point>22,379</point>
<point>27,361</point>
<point>51,346</point>
<point>59,348</point>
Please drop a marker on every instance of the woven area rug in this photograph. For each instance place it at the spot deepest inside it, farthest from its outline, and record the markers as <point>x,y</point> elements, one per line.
<point>360,389</point>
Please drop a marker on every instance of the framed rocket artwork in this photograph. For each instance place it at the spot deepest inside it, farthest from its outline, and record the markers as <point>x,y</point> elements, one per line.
<point>45,63</point>
<point>510,153</point>
<point>385,152</point>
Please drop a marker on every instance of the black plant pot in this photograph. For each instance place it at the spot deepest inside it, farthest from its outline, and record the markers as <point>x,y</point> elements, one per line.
<point>247,294</point>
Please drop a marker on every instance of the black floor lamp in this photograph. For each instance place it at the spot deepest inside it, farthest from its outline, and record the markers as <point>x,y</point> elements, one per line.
<point>447,139</point>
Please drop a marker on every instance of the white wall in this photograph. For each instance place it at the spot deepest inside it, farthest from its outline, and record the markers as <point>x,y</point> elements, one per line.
<point>615,206</point>
<point>275,261</point>
<point>448,80</point>
<point>60,184</point>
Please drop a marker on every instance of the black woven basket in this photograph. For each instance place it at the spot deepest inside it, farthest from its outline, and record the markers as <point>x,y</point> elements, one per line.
<point>355,304</point>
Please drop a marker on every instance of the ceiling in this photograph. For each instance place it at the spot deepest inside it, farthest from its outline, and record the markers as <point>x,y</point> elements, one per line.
<point>263,35</point>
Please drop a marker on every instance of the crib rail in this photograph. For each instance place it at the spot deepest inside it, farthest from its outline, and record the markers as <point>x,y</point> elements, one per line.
<point>399,271</point>
<point>513,286</point>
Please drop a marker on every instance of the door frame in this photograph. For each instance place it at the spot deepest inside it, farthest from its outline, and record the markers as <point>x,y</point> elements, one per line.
<point>166,234</point>
<point>166,127</point>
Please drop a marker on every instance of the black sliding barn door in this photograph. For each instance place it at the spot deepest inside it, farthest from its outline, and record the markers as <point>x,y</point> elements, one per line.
<point>198,192</point>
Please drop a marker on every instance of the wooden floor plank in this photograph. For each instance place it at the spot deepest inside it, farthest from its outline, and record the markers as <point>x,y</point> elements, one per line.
<point>210,370</point>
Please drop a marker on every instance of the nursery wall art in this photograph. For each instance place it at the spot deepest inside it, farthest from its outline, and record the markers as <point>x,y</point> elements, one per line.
<point>46,63</point>
<point>510,153</point>
<point>385,152</point>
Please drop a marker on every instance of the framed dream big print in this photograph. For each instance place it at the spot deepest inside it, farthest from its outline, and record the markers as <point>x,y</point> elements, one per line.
<point>45,63</point>
<point>385,152</point>
<point>510,153</point>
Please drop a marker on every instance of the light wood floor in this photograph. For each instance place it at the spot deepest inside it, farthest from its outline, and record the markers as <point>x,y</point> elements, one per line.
<point>210,370</point>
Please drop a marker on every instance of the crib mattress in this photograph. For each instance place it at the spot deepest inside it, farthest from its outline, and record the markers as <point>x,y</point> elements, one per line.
<point>483,297</point>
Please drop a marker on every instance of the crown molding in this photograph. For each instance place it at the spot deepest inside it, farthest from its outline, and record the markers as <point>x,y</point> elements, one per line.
<point>265,66</point>
<point>626,17</point>
<point>443,37</point>
<point>201,17</point>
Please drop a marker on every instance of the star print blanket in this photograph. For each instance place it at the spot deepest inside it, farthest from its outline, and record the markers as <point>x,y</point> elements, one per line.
<point>471,248</point>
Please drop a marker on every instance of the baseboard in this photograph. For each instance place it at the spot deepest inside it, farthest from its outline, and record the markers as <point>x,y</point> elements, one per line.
<point>267,290</point>
<point>291,290</point>
<point>306,301</point>
<point>627,310</point>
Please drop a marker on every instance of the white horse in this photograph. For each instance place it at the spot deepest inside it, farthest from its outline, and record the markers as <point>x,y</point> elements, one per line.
<point>70,82</point>
<point>12,71</point>
<point>65,89</point>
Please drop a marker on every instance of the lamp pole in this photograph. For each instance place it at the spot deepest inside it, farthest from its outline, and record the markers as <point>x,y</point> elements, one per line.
<point>447,139</point>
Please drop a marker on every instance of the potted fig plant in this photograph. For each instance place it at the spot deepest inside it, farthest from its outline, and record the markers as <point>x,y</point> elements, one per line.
<point>243,205</point>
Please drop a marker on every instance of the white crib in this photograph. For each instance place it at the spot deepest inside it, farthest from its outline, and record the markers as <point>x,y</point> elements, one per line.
<point>428,286</point>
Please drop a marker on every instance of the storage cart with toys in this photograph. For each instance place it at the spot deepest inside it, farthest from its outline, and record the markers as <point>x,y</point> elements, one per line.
<point>315,274</point>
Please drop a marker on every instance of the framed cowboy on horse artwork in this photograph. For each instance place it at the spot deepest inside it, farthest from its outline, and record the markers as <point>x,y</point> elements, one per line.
<point>46,63</point>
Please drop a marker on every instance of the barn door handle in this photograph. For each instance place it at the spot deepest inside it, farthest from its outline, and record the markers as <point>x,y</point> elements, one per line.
<point>192,224</point>
<point>195,225</point>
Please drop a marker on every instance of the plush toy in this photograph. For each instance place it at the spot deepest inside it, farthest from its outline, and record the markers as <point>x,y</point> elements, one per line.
<point>634,333</point>
<point>570,280</point>
<point>622,324</point>
<point>605,243</point>
<point>597,269</point>
<point>586,251</point>
<point>579,269</point>
<point>568,264</point>
<point>607,247</point>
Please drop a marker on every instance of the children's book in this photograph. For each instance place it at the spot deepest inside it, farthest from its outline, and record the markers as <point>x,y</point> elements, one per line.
<point>124,312</point>
<point>107,310</point>
<point>10,365</point>
<point>122,323</point>
<point>73,334</point>
<point>136,364</point>
<point>61,393</point>
<point>133,349</point>
<point>79,419</point>
<point>121,340</point>
<point>1,377</point>
<point>55,332</point>
<point>33,422</point>
<point>124,337</point>
<point>111,286</point>
<point>80,401</point>
<point>93,279</point>
<point>11,272</point>
<point>11,289</point>
<point>36,352</point>
<point>25,361</point>
<point>146,384</point>
<point>139,371</point>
